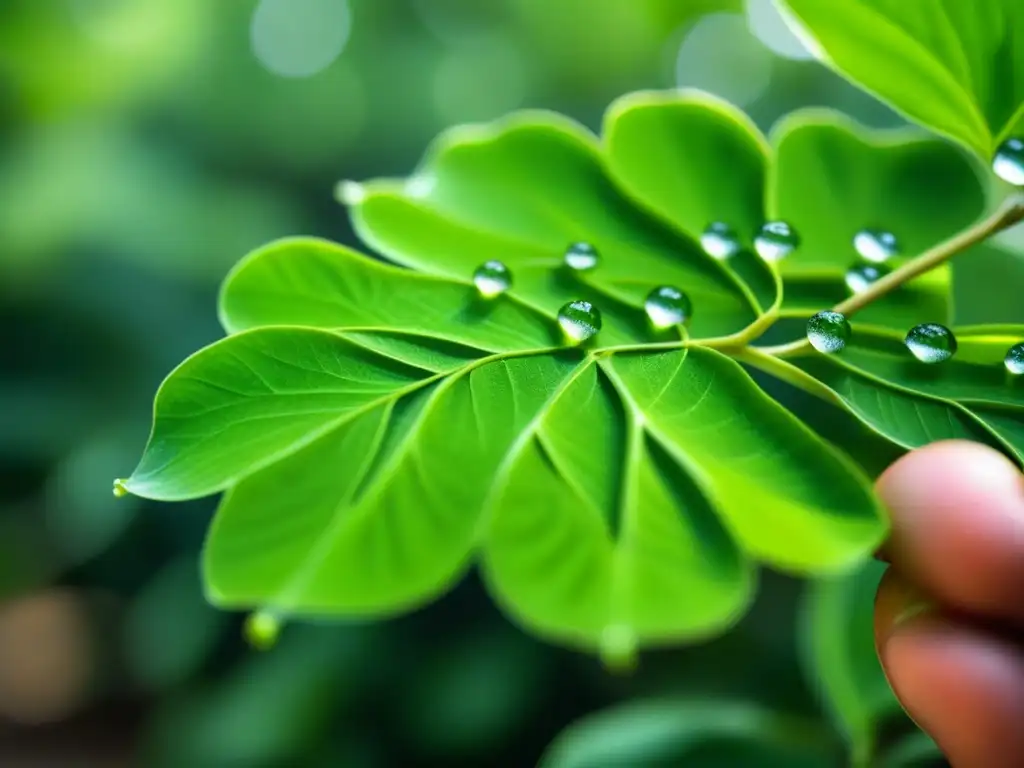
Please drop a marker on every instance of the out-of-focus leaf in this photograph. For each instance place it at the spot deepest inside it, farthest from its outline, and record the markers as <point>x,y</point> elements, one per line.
<point>169,629</point>
<point>952,66</point>
<point>706,733</point>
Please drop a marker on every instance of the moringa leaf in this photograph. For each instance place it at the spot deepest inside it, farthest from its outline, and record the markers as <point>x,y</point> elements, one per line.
<point>377,428</point>
<point>832,179</point>
<point>839,656</point>
<point>950,65</point>
<point>710,734</point>
<point>969,397</point>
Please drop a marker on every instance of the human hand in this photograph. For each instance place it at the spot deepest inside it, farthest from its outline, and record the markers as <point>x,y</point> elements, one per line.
<point>949,615</point>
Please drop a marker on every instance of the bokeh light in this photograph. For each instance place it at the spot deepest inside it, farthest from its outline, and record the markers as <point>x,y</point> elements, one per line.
<point>299,38</point>
<point>720,54</point>
<point>771,28</point>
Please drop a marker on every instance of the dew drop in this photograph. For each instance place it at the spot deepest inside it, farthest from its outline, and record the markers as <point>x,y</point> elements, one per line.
<point>120,488</point>
<point>931,343</point>
<point>876,245</point>
<point>859,277</point>
<point>776,240</point>
<point>580,320</point>
<point>1008,162</point>
<point>581,257</point>
<point>262,630</point>
<point>719,240</point>
<point>492,278</point>
<point>667,306</point>
<point>1015,359</point>
<point>828,332</point>
<point>619,648</point>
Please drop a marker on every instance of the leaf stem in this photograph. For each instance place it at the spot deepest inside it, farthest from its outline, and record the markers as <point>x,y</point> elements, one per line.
<point>1008,214</point>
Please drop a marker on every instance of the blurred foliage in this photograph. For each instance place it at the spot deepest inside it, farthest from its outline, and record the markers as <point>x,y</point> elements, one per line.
<point>144,149</point>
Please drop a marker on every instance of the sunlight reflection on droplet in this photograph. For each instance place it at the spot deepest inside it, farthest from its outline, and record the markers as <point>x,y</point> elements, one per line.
<point>349,192</point>
<point>721,55</point>
<point>298,38</point>
<point>768,24</point>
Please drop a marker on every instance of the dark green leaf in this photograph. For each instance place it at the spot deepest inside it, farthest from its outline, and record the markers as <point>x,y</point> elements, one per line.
<point>710,734</point>
<point>950,65</point>
<point>839,651</point>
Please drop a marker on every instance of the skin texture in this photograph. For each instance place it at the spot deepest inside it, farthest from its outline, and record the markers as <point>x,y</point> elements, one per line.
<point>949,616</point>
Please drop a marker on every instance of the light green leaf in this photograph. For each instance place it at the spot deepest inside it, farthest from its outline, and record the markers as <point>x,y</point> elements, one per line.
<point>953,66</point>
<point>694,160</point>
<point>521,190</point>
<point>971,396</point>
<point>840,659</point>
<point>833,178</point>
<point>710,734</point>
<point>917,750</point>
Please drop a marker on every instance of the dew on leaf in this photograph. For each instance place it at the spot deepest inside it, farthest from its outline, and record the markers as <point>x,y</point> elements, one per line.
<point>1014,360</point>
<point>262,630</point>
<point>719,240</point>
<point>580,320</point>
<point>120,490</point>
<point>619,648</point>
<point>581,257</point>
<point>931,343</point>
<point>876,245</point>
<point>776,240</point>
<point>828,332</point>
<point>492,278</point>
<point>1008,162</point>
<point>667,306</point>
<point>860,277</point>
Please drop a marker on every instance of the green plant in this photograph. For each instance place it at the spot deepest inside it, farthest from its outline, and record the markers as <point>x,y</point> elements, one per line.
<point>376,426</point>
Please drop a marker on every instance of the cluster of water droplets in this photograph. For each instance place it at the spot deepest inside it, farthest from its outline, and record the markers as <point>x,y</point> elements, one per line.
<point>580,320</point>
<point>874,248</point>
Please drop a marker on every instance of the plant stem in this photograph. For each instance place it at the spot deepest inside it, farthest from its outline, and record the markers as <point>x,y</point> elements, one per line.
<point>1009,213</point>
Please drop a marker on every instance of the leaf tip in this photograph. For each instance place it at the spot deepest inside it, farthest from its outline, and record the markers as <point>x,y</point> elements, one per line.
<point>120,488</point>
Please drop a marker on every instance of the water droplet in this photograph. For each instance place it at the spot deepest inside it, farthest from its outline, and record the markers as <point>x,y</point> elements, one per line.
<point>931,343</point>
<point>120,489</point>
<point>1015,359</point>
<point>776,240</point>
<point>859,277</point>
<point>580,320</point>
<point>262,630</point>
<point>828,332</point>
<point>581,257</point>
<point>619,648</point>
<point>492,278</point>
<point>719,240</point>
<point>1009,161</point>
<point>876,245</point>
<point>667,306</point>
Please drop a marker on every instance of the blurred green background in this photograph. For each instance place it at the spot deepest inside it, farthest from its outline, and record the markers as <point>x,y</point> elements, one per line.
<point>145,146</point>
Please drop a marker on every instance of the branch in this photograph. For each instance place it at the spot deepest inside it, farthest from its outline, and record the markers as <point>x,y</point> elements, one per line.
<point>1009,213</point>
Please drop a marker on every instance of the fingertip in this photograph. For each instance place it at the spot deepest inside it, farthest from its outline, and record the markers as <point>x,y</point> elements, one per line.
<point>957,512</point>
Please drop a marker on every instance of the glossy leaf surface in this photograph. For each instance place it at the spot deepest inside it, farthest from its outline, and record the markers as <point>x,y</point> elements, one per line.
<point>970,397</point>
<point>952,66</point>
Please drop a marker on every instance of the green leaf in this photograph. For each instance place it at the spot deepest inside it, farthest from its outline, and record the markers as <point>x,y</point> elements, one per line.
<point>969,397</point>
<point>521,190</point>
<point>833,178</point>
<point>949,65</point>
<point>839,654</point>
<point>710,734</point>
<point>917,750</point>
<point>376,427</point>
